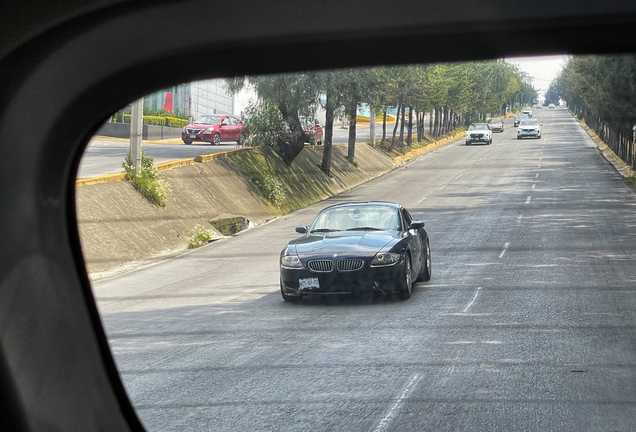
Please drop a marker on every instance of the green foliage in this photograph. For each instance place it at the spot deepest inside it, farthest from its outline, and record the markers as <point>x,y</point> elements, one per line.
<point>199,237</point>
<point>631,181</point>
<point>147,183</point>
<point>270,188</point>
<point>158,120</point>
<point>264,125</point>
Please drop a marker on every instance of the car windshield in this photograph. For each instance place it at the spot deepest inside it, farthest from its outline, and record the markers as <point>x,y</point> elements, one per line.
<point>208,120</point>
<point>349,218</point>
<point>478,126</point>
<point>529,122</point>
<point>494,121</point>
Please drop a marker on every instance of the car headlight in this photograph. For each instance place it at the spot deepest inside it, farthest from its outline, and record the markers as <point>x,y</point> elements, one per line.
<point>208,131</point>
<point>290,261</point>
<point>385,259</point>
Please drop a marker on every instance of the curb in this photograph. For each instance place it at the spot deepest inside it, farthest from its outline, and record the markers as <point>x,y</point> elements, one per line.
<point>621,167</point>
<point>428,148</point>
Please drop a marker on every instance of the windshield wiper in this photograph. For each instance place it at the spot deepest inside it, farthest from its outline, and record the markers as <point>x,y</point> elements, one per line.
<point>324,230</point>
<point>365,229</point>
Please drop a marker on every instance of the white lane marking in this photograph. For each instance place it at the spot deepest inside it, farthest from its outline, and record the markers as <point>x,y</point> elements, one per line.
<point>539,165</point>
<point>473,300</point>
<point>541,158</point>
<point>459,175</point>
<point>528,200</point>
<point>536,175</point>
<point>519,219</point>
<point>442,187</point>
<point>384,423</point>
<point>420,201</point>
<point>534,186</point>
<point>504,249</point>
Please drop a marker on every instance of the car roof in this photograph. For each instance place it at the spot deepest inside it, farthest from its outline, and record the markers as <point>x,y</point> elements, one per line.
<point>73,53</point>
<point>365,204</point>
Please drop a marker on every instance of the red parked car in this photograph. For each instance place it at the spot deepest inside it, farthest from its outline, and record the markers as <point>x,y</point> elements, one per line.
<point>311,128</point>
<point>214,129</point>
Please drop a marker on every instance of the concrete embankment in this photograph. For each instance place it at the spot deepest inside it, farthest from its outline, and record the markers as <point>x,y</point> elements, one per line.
<point>120,229</point>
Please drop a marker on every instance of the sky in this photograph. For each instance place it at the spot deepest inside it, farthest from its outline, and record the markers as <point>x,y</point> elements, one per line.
<point>542,69</point>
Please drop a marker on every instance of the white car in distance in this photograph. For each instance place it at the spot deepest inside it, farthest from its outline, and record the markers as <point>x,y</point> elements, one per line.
<point>478,132</point>
<point>529,128</point>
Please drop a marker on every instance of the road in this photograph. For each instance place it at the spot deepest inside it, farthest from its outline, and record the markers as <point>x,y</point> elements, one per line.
<point>105,155</point>
<point>526,325</point>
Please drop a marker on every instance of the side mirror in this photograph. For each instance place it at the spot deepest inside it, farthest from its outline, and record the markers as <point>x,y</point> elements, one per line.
<point>540,124</point>
<point>301,229</point>
<point>416,225</point>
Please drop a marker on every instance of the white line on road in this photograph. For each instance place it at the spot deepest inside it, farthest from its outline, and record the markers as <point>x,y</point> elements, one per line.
<point>504,249</point>
<point>536,175</point>
<point>534,186</point>
<point>384,423</point>
<point>459,175</point>
<point>539,165</point>
<point>473,300</point>
<point>519,219</point>
<point>442,187</point>
<point>420,201</point>
<point>528,200</point>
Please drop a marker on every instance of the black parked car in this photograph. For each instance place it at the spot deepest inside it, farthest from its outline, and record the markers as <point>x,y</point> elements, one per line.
<point>355,248</point>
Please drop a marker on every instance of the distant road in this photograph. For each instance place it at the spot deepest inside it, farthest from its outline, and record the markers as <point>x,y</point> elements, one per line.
<point>105,155</point>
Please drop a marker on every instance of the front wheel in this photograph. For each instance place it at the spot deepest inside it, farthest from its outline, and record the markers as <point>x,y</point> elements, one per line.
<point>518,137</point>
<point>406,284</point>
<point>187,142</point>
<point>467,142</point>
<point>217,139</point>
<point>426,272</point>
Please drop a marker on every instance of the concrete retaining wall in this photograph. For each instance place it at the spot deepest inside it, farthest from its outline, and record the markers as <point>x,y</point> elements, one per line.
<point>150,132</point>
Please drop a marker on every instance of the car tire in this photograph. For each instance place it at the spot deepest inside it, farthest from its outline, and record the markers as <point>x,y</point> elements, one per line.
<point>467,142</point>
<point>216,140</point>
<point>406,282</point>
<point>426,271</point>
<point>286,297</point>
<point>187,142</point>
<point>241,140</point>
<point>490,142</point>
<point>518,137</point>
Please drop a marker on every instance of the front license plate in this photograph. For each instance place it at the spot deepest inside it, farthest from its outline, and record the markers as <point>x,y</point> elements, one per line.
<point>308,283</point>
<point>193,136</point>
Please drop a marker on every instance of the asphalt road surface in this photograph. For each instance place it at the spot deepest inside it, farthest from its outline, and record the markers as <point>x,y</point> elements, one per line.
<point>105,155</point>
<point>526,325</point>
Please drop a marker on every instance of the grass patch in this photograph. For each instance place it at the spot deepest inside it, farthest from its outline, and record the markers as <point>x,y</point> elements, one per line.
<point>199,237</point>
<point>631,181</point>
<point>147,183</point>
<point>284,188</point>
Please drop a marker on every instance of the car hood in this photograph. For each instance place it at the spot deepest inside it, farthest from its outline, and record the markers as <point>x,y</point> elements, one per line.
<point>200,126</point>
<point>343,242</point>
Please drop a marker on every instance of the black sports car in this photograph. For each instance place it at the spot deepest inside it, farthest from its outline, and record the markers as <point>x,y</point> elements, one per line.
<point>356,248</point>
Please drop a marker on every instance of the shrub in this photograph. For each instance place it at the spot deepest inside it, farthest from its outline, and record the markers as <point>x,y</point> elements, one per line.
<point>147,183</point>
<point>199,237</point>
<point>270,188</point>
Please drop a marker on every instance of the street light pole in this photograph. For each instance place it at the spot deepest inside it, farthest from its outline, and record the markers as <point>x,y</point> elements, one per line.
<point>136,128</point>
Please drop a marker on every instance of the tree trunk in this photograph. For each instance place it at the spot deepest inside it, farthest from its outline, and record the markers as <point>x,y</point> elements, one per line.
<point>437,121</point>
<point>402,116</point>
<point>420,126</point>
<point>409,133</point>
<point>384,126</point>
<point>430,123</point>
<point>353,113</point>
<point>289,150</point>
<point>397,118</point>
<point>328,138</point>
